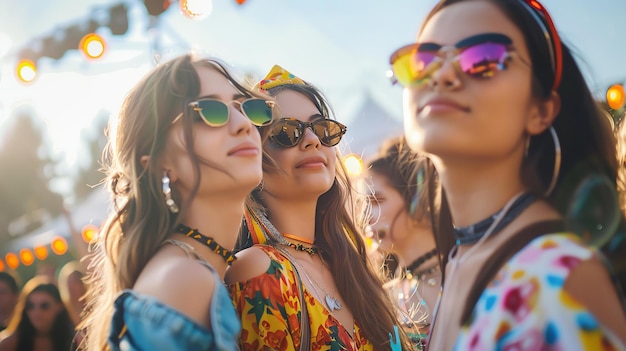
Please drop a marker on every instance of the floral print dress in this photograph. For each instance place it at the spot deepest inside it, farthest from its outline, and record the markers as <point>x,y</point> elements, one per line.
<point>269,307</point>
<point>525,307</point>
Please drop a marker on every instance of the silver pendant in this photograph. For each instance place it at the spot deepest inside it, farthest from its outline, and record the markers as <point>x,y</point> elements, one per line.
<point>333,303</point>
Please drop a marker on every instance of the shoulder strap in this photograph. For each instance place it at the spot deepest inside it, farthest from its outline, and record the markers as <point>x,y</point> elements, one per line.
<point>304,315</point>
<point>502,255</point>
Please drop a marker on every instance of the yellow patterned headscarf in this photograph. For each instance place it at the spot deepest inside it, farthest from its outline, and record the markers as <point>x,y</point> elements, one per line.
<point>277,76</point>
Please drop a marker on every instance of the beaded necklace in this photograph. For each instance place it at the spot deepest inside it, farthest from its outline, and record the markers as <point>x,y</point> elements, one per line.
<point>420,260</point>
<point>274,236</point>
<point>311,250</point>
<point>227,255</point>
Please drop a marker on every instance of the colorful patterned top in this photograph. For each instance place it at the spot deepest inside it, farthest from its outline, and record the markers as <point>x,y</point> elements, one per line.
<point>526,308</point>
<point>269,306</point>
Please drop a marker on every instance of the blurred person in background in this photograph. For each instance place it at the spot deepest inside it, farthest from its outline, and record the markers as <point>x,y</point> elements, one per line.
<point>40,322</point>
<point>9,295</point>
<point>47,269</point>
<point>401,225</point>
<point>73,289</point>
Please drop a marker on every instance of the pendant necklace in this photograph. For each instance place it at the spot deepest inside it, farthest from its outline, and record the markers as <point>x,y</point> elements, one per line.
<point>332,303</point>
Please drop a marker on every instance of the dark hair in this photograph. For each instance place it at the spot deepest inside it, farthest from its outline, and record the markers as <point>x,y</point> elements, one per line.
<point>10,281</point>
<point>338,235</point>
<point>62,331</point>
<point>402,167</point>
<point>587,142</point>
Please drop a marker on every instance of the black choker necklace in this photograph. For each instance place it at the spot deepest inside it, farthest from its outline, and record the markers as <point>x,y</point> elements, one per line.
<point>420,260</point>
<point>311,250</point>
<point>227,255</point>
<point>472,234</point>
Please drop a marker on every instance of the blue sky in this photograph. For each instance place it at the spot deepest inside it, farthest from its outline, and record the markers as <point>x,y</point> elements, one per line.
<point>342,46</point>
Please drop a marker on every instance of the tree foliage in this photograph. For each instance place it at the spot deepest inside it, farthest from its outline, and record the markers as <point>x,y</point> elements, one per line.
<point>25,172</point>
<point>91,175</point>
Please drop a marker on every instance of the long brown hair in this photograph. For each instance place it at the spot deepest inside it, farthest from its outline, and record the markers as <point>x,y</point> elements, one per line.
<point>141,221</point>
<point>338,234</point>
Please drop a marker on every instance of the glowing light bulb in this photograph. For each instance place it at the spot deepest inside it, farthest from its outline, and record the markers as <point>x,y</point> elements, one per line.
<point>89,231</point>
<point>41,252</point>
<point>26,71</point>
<point>59,246</point>
<point>615,96</point>
<point>12,260</point>
<point>27,257</point>
<point>353,164</point>
<point>196,9</point>
<point>92,46</point>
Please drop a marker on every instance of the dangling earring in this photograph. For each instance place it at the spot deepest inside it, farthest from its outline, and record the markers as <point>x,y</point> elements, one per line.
<point>557,158</point>
<point>557,161</point>
<point>167,191</point>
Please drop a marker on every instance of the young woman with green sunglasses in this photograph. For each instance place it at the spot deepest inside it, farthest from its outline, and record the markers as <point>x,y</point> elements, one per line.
<point>183,158</point>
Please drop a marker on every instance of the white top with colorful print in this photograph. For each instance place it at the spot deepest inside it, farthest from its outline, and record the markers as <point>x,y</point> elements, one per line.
<point>526,308</point>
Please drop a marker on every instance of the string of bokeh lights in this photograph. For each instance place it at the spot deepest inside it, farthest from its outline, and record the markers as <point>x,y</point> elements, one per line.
<point>82,36</point>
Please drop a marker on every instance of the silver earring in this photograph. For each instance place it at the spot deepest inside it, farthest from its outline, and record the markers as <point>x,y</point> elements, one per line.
<point>557,161</point>
<point>557,158</point>
<point>167,191</point>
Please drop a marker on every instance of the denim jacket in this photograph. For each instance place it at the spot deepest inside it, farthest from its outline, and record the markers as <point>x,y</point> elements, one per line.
<point>141,322</point>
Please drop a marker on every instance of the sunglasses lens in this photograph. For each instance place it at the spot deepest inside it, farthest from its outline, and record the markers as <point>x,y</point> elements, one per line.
<point>213,112</point>
<point>483,60</point>
<point>286,133</point>
<point>411,66</point>
<point>44,306</point>
<point>328,131</point>
<point>258,111</point>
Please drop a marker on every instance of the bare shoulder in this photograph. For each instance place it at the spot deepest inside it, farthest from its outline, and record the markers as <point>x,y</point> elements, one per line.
<point>250,263</point>
<point>591,285</point>
<point>8,342</point>
<point>179,282</point>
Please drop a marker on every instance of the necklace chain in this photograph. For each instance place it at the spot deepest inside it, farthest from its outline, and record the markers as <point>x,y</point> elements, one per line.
<point>331,302</point>
<point>226,255</point>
